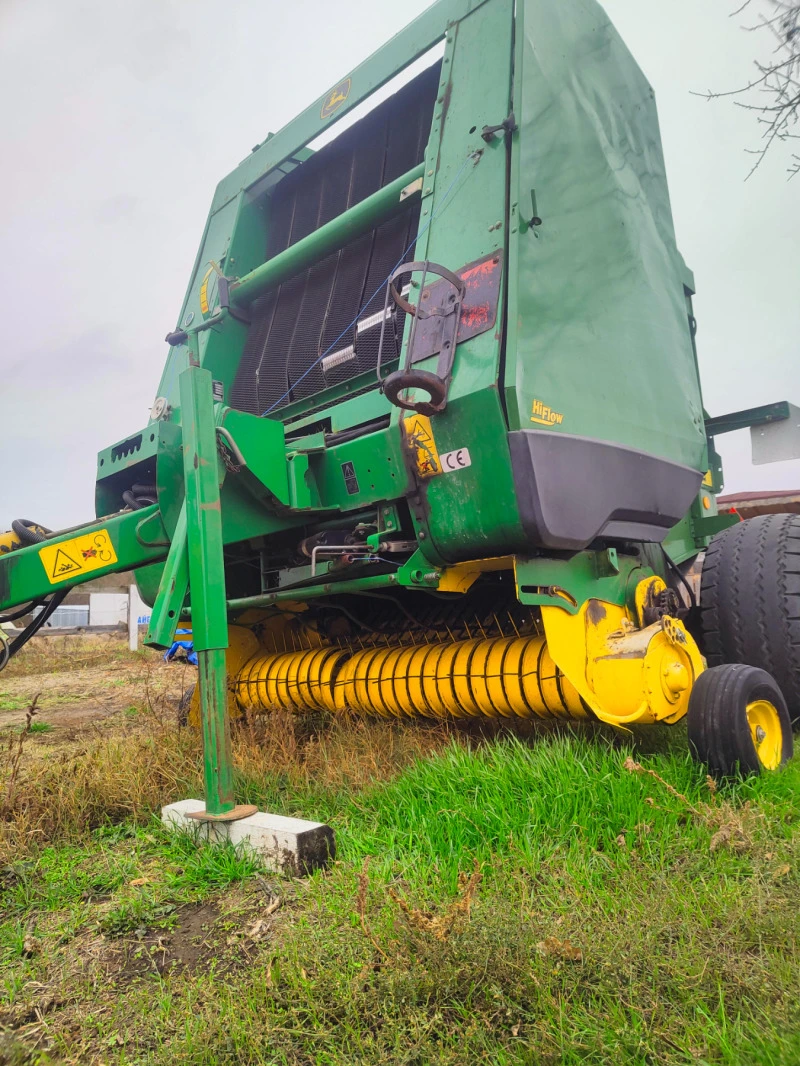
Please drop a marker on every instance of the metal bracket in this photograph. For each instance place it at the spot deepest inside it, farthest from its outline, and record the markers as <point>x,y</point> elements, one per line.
<point>508,125</point>
<point>445,315</point>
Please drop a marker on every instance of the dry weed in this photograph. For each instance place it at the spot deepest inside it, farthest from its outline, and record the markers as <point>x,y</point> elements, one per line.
<point>361,905</point>
<point>440,926</point>
<point>341,751</point>
<point>563,949</point>
<point>730,827</point>
<point>13,758</point>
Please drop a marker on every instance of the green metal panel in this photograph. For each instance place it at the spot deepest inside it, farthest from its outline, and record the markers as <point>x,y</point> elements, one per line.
<point>398,53</point>
<point>379,466</point>
<point>207,582</point>
<point>472,512</point>
<point>203,512</point>
<point>753,416</point>
<point>598,328</point>
<point>587,575</point>
<point>23,576</point>
<point>172,589</point>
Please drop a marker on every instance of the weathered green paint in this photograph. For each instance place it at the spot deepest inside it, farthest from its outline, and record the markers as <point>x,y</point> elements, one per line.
<point>203,512</point>
<point>587,575</point>
<point>398,53</point>
<point>753,416</point>
<point>207,581</point>
<point>359,220</point>
<point>23,576</point>
<point>172,590</point>
<point>593,322</point>
<point>470,513</point>
<point>598,328</point>
<point>217,758</point>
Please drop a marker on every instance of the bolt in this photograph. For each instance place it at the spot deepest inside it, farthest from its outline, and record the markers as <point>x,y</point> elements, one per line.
<point>422,534</point>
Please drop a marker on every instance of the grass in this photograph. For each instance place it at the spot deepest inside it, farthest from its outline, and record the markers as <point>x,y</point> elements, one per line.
<point>499,899</point>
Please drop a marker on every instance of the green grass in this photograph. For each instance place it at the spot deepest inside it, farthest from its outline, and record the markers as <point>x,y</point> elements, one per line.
<point>612,922</point>
<point>8,702</point>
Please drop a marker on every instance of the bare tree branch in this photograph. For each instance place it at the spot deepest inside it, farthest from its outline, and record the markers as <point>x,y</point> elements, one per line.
<point>775,93</point>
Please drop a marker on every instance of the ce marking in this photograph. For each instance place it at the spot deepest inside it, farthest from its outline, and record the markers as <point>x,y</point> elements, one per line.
<point>456,460</point>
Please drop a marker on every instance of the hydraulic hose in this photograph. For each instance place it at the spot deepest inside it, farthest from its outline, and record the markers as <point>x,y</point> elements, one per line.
<point>138,496</point>
<point>20,611</point>
<point>28,532</point>
<point>33,628</point>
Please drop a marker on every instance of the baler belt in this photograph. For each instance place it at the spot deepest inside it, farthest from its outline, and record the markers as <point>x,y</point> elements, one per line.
<point>292,324</point>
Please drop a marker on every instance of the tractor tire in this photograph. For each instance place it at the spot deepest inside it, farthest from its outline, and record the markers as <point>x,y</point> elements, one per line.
<point>750,600</point>
<point>738,722</point>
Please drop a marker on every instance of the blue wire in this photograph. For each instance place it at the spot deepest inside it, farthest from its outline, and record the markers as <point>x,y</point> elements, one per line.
<point>380,288</point>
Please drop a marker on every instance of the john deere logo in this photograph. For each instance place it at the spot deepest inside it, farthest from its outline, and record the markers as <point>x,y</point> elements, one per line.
<point>335,98</point>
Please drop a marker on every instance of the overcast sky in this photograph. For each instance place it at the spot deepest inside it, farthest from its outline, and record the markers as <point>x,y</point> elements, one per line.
<point>118,120</point>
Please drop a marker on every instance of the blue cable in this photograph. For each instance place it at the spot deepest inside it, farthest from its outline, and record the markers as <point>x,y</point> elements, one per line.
<point>379,290</point>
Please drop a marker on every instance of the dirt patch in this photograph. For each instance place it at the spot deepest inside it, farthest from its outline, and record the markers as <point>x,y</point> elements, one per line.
<point>82,681</point>
<point>188,944</point>
<point>224,932</point>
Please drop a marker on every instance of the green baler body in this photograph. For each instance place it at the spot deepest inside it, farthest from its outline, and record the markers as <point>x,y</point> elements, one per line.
<point>595,322</point>
<point>580,408</point>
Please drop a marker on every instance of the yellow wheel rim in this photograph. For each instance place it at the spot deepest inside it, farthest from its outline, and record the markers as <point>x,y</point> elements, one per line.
<point>765,729</point>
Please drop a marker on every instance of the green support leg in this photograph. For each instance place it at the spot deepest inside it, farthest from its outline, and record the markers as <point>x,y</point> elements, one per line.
<point>166,615</point>
<point>217,762</point>
<point>207,583</point>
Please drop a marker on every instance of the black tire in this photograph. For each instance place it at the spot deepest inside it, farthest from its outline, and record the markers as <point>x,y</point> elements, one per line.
<point>750,600</point>
<point>721,732</point>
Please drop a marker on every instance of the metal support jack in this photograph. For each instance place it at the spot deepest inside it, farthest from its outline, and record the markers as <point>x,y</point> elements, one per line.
<point>207,585</point>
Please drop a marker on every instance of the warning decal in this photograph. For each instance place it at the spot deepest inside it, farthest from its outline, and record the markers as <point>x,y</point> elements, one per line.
<point>81,555</point>
<point>419,437</point>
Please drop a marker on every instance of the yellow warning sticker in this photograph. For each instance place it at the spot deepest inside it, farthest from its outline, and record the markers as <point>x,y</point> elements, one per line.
<point>204,290</point>
<point>80,555</point>
<point>419,438</point>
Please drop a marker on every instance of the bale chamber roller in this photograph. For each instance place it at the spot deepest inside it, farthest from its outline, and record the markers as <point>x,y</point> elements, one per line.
<point>430,439</point>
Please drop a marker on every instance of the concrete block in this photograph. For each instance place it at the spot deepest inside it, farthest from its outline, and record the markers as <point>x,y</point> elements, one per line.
<point>287,845</point>
<point>174,815</point>
<point>291,845</point>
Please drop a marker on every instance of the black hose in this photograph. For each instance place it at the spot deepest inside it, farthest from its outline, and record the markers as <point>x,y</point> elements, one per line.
<point>33,628</point>
<point>138,496</point>
<point>21,611</point>
<point>23,527</point>
<point>679,574</point>
<point>130,500</point>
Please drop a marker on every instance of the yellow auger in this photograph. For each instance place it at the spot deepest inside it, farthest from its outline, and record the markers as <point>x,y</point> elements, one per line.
<point>598,663</point>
